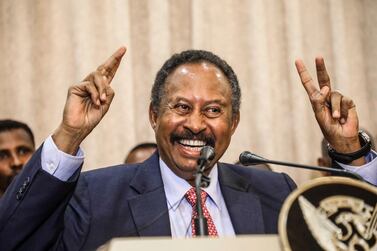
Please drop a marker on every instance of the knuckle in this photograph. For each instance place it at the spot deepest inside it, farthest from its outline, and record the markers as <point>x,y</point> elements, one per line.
<point>73,87</point>
<point>110,91</point>
<point>90,76</point>
<point>336,93</point>
<point>315,97</point>
<point>101,70</point>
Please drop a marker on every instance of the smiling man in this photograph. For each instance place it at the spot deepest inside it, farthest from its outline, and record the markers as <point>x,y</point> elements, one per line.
<point>195,101</point>
<point>192,107</point>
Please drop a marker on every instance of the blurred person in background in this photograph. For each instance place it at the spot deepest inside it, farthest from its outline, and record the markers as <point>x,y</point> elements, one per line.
<point>140,152</point>
<point>16,147</point>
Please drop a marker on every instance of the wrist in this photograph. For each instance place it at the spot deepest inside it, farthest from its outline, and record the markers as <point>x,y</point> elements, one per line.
<point>346,145</point>
<point>67,139</point>
<point>354,153</point>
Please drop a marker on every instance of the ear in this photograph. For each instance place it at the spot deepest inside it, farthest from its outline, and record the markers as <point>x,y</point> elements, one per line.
<point>235,121</point>
<point>324,161</point>
<point>320,161</point>
<point>152,116</point>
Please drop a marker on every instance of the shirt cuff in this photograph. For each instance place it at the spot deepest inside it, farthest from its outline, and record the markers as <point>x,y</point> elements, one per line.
<point>368,171</point>
<point>58,163</point>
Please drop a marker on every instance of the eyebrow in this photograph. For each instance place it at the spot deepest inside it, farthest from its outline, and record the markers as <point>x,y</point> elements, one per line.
<point>18,147</point>
<point>216,101</point>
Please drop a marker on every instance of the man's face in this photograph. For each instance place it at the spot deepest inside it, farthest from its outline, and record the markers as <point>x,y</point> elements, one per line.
<point>16,148</point>
<point>195,111</point>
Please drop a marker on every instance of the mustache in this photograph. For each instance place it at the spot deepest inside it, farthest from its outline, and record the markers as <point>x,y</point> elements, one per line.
<point>187,134</point>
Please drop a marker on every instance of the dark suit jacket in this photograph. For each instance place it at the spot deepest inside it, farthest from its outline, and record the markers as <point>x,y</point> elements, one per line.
<point>40,212</point>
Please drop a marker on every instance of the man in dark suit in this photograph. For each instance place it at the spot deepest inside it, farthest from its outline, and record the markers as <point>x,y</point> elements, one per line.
<point>195,102</point>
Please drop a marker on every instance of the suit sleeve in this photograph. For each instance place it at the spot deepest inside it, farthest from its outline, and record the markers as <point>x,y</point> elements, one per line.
<point>32,209</point>
<point>291,184</point>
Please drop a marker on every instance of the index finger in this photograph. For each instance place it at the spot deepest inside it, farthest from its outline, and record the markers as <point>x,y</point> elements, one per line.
<point>109,68</point>
<point>306,79</point>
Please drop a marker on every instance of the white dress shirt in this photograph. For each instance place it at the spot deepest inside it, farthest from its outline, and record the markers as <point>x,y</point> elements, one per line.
<point>180,210</point>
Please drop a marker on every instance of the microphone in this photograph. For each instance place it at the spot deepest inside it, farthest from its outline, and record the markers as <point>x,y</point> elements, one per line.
<point>207,153</point>
<point>248,158</point>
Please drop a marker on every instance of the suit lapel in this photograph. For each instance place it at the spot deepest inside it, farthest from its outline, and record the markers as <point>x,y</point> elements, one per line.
<point>150,212</point>
<point>243,204</point>
<point>149,208</point>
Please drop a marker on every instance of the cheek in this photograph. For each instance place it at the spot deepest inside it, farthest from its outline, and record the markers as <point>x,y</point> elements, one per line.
<point>168,124</point>
<point>4,168</point>
<point>26,157</point>
<point>221,129</point>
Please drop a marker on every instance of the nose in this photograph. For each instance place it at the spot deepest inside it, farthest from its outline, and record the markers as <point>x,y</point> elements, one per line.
<point>196,123</point>
<point>17,162</point>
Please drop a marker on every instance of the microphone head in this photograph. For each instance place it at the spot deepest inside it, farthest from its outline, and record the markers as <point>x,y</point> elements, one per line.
<point>247,158</point>
<point>207,153</point>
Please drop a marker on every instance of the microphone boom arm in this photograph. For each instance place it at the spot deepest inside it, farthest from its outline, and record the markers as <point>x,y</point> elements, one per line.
<point>247,158</point>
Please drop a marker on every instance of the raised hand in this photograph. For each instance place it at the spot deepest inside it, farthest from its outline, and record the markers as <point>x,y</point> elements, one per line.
<point>335,113</point>
<point>87,103</point>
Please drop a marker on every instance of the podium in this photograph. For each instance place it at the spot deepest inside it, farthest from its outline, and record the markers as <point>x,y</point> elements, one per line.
<point>331,213</point>
<point>245,242</point>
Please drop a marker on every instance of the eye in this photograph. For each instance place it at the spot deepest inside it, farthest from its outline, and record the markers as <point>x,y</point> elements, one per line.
<point>3,155</point>
<point>213,111</point>
<point>24,150</point>
<point>182,108</point>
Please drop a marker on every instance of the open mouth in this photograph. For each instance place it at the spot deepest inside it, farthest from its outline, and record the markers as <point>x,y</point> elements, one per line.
<point>193,145</point>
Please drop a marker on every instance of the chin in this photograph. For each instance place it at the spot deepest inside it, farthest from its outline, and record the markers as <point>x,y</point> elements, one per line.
<point>187,165</point>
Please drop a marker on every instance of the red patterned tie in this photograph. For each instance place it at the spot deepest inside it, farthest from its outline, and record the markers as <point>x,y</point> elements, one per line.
<point>191,198</point>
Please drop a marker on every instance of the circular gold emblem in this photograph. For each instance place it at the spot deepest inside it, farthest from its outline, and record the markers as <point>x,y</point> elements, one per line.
<point>330,213</point>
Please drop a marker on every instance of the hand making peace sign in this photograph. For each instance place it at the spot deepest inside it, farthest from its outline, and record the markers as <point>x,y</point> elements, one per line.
<point>335,113</point>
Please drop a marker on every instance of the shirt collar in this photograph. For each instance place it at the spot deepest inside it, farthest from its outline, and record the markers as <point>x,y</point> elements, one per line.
<point>176,187</point>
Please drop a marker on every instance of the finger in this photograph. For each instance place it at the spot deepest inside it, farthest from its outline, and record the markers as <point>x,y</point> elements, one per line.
<point>306,79</point>
<point>93,92</point>
<point>109,68</point>
<point>101,83</point>
<point>322,75</point>
<point>109,97</point>
<point>347,109</point>
<point>319,102</point>
<point>85,89</point>
<point>335,99</point>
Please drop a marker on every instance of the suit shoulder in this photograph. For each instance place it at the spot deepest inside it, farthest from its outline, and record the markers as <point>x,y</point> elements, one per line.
<point>112,172</point>
<point>263,179</point>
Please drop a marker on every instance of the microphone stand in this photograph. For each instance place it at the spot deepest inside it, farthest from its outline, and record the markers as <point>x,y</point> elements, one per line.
<point>201,180</point>
<point>319,168</point>
<point>248,158</point>
<point>201,225</point>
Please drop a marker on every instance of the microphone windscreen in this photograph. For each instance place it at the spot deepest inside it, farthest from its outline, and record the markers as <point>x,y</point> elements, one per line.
<point>207,153</point>
<point>247,158</point>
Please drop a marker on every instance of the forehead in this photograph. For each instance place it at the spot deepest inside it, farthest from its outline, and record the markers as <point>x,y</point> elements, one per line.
<point>202,77</point>
<point>13,138</point>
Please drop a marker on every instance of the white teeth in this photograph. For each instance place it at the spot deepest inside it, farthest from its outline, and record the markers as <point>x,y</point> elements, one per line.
<point>190,148</point>
<point>192,143</point>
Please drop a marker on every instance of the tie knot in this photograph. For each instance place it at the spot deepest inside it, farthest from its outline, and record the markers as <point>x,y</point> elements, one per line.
<point>191,196</point>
